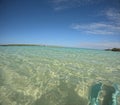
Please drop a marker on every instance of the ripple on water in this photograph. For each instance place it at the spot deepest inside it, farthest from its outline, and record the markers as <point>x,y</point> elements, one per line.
<point>53,76</point>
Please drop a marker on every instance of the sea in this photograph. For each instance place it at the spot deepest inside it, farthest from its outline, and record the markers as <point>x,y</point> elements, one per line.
<point>50,75</point>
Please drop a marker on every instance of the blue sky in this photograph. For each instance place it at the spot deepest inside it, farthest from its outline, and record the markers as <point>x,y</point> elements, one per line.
<point>72,23</point>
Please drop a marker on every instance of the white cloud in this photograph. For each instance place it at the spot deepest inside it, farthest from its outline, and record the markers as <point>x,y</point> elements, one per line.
<point>64,4</point>
<point>113,14</point>
<point>97,28</point>
<point>59,1</point>
<point>59,8</point>
<point>111,26</point>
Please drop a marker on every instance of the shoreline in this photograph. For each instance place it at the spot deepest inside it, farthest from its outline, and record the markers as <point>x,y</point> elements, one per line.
<point>41,45</point>
<point>113,49</point>
<point>21,45</point>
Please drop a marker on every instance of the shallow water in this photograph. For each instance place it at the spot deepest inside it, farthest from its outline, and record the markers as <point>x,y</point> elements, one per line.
<point>36,75</point>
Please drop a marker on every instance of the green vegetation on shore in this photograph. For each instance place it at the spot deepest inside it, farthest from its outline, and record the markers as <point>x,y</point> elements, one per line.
<point>113,49</point>
<point>21,45</point>
<point>29,45</point>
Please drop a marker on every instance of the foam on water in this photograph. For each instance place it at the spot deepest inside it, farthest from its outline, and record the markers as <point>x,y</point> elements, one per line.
<point>35,75</point>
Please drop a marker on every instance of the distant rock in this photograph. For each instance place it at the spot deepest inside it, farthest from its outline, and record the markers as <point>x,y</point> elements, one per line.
<point>113,49</point>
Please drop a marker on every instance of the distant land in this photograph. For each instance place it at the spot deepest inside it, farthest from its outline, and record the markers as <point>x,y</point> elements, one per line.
<point>21,45</point>
<point>113,49</point>
<point>29,45</point>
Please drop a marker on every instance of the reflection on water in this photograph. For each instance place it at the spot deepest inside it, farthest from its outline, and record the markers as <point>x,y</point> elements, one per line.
<point>109,91</point>
<point>104,94</point>
<point>33,75</point>
<point>94,93</point>
<point>62,95</point>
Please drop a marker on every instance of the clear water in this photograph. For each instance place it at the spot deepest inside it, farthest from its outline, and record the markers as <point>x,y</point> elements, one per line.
<point>35,75</point>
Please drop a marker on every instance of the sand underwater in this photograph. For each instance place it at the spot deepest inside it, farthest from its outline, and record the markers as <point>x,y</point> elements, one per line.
<point>43,75</point>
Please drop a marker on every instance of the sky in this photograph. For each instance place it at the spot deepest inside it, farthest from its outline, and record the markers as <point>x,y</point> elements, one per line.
<point>71,23</point>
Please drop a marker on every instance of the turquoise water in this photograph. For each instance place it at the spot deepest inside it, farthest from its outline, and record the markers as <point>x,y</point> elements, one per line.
<point>35,75</point>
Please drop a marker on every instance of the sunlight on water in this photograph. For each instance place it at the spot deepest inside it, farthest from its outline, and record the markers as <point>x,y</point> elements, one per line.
<point>34,75</point>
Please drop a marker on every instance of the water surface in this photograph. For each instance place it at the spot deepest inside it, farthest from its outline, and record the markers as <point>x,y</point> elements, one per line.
<point>37,75</point>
